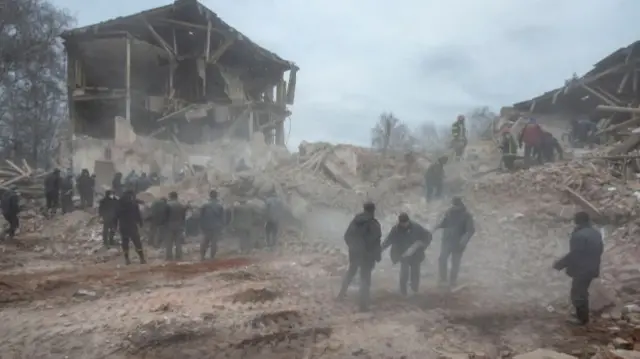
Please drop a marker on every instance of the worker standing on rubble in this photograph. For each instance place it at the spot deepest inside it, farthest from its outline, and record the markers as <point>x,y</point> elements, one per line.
<point>274,212</point>
<point>243,224</point>
<point>129,220</point>
<point>434,178</point>
<point>116,184</point>
<point>211,222</point>
<point>107,210</point>
<point>549,146</point>
<point>531,136</point>
<point>66,193</point>
<point>176,218</point>
<point>52,191</point>
<point>509,149</point>
<point>143,183</point>
<point>10,209</point>
<point>582,264</point>
<point>157,223</point>
<point>85,188</point>
<point>458,227</point>
<point>363,241</point>
<point>402,237</point>
<point>459,136</point>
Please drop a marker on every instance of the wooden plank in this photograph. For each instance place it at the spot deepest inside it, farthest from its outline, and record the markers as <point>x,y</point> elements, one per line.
<point>221,50</point>
<point>583,203</point>
<point>159,38</point>
<point>633,110</point>
<point>599,95</point>
<point>619,126</point>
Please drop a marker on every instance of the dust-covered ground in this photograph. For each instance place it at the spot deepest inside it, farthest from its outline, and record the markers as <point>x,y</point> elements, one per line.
<point>281,304</point>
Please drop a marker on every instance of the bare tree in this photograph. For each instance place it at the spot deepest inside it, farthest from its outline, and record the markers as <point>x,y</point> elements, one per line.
<point>480,121</point>
<point>390,134</point>
<point>32,77</point>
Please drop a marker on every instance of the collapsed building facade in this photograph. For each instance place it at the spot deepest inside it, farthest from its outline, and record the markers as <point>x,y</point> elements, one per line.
<point>175,75</point>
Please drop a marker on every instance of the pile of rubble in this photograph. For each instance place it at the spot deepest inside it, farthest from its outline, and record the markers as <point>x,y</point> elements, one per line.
<point>29,182</point>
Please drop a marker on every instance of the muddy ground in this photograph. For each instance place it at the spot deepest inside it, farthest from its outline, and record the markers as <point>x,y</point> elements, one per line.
<point>281,304</point>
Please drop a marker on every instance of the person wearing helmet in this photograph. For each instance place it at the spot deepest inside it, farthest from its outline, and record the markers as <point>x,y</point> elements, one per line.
<point>458,227</point>
<point>363,241</point>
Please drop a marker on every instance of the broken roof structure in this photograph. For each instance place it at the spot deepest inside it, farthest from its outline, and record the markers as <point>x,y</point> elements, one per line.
<point>179,72</point>
<point>612,83</point>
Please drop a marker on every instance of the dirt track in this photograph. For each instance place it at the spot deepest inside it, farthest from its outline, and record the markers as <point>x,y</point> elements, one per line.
<point>275,305</point>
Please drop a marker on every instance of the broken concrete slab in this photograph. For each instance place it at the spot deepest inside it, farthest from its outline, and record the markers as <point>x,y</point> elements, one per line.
<point>544,354</point>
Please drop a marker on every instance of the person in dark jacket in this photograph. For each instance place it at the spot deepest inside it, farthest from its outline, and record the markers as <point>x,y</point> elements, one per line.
<point>66,193</point>
<point>116,184</point>
<point>107,210</point>
<point>402,237</point>
<point>52,191</point>
<point>211,223</point>
<point>157,224</point>
<point>363,240</point>
<point>85,185</point>
<point>143,183</point>
<point>530,136</point>
<point>434,177</point>
<point>582,263</point>
<point>10,203</point>
<point>509,149</point>
<point>176,217</point>
<point>129,221</point>
<point>91,193</point>
<point>549,146</point>
<point>458,227</point>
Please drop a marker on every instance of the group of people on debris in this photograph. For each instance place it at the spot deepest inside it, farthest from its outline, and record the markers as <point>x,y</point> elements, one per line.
<point>134,182</point>
<point>540,146</point>
<point>407,241</point>
<point>59,191</point>
<point>169,223</point>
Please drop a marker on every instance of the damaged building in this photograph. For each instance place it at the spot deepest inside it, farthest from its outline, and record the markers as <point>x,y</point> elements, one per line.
<point>175,74</point>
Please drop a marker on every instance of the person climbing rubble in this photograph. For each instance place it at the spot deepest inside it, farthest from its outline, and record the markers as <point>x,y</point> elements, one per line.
<point>459,136</point>
<point>549,147</point>
<point>509,149</point>
<point>274,213</point>
<point>66,193</point>
<point>85,186</point>
<point>10,202</point>
<point>211,222</point>
<point>458,227</point>
<point>530,137</point>
<point>116,184</point>
<point>583,131</point>
<point>363,241</point>
<point>129,221</point>
<point>52,192</point>
<point>434,178</point>
<point>157,222</point>
<point>243,223</point>
<point>107,208</point>
<point>402,237</point>
<point>176,216</point>
<point>582,264</point>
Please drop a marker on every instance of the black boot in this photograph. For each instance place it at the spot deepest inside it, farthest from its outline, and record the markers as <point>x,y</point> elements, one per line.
<point>127,261</point>
<point>141,255</point>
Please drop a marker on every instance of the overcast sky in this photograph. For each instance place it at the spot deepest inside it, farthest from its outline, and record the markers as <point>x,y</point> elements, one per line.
<point>422,59</point>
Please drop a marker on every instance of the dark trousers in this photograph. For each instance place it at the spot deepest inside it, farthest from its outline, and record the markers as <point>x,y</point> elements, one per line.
<point>271,232</point>
<point>449,249</point>
<point>509,161</point>
<point>52,199</point>
<point>156,234</point>
<point>67,203</point>
<point>131,235</point>
<point>210,240</point>
<point>410,273</point>
<point>86,200</point>
<point>108,232</point>
<point>365,266</point>
<point>175,238</point>
<point>433,190</point>
<point>14,223</point>
<point>580,297</point>
<point>246,239</point>
<point>531,155</point>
